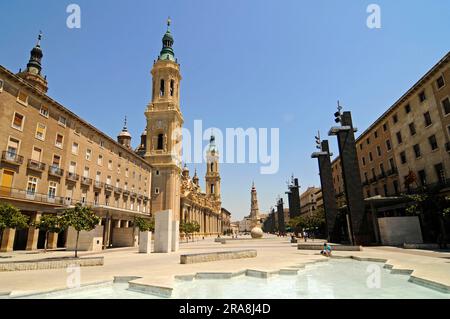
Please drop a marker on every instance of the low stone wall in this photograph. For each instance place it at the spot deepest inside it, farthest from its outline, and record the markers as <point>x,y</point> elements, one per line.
<point>215,256</point>
<point>420,246</point>
<point>333,247</point>
<point>51,263</point>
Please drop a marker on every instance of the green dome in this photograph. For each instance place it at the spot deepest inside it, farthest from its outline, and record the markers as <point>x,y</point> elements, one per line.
<point>167,50</point>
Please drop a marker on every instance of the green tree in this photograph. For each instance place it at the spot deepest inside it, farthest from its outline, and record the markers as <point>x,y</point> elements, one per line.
<point>80,218</point>
<point>189,228</point>
<point>11,217</point>
<point>144,224</point>
<point>50,224</point>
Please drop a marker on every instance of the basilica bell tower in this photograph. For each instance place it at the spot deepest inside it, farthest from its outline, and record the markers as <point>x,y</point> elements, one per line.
<point>212,177</point>
<point>164,123</point>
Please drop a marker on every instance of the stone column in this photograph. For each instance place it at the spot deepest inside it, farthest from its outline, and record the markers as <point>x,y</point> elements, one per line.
<point>328,193</point>
<point>163,231</point>
<point>175,235</point>
<point>352,180</point>
<point>33,233</point>
<point>7,243</point>
<point>52,241</point>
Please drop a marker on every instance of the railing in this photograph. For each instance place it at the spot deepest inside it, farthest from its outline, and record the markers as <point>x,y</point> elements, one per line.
<point>35,165</point>
<point>55,171</point>
<point>392,171</point>
<point>140,196</point>
<point>109,187</point>
<point>23,194</point>
<point>133,195</point>
<point>12,158</point>
<point>98,184</point>
<point>126,192</point>
<point>86,181</point>
<point>72,177</point>
<point>118,190</point>
<point>382,175</point>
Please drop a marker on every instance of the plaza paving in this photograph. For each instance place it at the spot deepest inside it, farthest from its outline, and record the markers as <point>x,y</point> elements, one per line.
<point>274,253</point>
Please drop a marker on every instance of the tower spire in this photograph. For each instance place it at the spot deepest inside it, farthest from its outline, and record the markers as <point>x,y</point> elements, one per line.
<point>167,50</point>
<point>32,74</point>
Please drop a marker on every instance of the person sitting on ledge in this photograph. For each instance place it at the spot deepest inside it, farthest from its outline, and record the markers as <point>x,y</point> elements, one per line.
<point>326,250</point>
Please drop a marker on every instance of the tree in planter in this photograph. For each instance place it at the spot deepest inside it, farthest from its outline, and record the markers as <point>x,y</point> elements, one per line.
<point>189,228</point>
<point>11,217</point>
<point>144,224</point>
<point>50,224</point>
<point>430,204</point>
<point>80,218</point>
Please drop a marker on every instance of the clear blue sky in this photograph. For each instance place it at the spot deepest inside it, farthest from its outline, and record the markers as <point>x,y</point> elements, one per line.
<point>246,63</point>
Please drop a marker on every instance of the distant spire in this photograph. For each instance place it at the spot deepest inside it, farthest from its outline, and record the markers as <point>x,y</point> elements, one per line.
<point>38,44</point>
<point>125,127</point>
<point>169,22</point>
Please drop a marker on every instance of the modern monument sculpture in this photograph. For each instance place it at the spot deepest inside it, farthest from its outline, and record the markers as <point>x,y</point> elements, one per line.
<point>345,133</point>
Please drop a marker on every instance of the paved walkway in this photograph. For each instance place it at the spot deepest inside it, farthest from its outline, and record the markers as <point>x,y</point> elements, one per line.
<point>274,253</point>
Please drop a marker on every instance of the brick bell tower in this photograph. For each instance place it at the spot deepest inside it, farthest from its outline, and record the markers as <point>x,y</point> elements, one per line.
<point>164,123</point>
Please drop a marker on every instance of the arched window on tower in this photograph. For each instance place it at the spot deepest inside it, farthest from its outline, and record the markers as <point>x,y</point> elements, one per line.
<point>161,88</point>
<point>212,188</point>
<point>160,145</point>
<point>172,87</point>
<point>212,167</point>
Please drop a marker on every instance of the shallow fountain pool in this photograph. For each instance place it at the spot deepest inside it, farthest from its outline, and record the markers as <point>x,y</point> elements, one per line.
<point>341,279</point>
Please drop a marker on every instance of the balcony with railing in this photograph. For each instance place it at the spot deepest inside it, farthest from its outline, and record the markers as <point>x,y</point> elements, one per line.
<point>12,158</point>
<point>133,195</point>
<point>126,192</point>
<point>393,171</point>
<point>72,177</point>
<point>118,190</point>
<point>36,166</point>
<point>29,195</point>
<point>98,185</point>
<point>55,171</point>
<point>86,181</point>
<point>109,187</point>
<point>382,175</point>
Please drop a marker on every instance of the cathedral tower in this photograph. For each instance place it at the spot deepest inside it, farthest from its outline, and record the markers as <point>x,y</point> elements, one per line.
<point>32,74</point>
<point>164,123</point>
<point>212,177</point>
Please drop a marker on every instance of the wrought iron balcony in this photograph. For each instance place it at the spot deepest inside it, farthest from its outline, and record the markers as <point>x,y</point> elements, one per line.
<point>126,192</point>
<point>133,195</point>
<point>109,187</point>
<point>382,175</point>
<point>23,194</point>
<point>55,171</point>
<point>140,196</point>
<point>98,184</point>
<point>393,171</point>
<point>118,190</point>
<point>36,166</point>
<point>73,177</point>
<point>12,158</point>
<point>86,181</point>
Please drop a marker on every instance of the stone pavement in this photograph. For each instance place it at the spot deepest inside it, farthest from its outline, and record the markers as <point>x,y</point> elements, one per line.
<point>273,254</point>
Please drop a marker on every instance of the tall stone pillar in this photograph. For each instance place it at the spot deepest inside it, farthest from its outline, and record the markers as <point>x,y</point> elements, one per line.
<point>52,241</point>
<point>163,231</point>
<point>33,233</point>
<point>352,180</point>
<point>294,198</point>
<point>328,193</point>
<point>280,211</point>
<point>7,243</point>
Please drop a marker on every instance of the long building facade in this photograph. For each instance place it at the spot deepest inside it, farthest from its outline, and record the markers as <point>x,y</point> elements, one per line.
<point>51,159</point>
<point>408,146</point>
